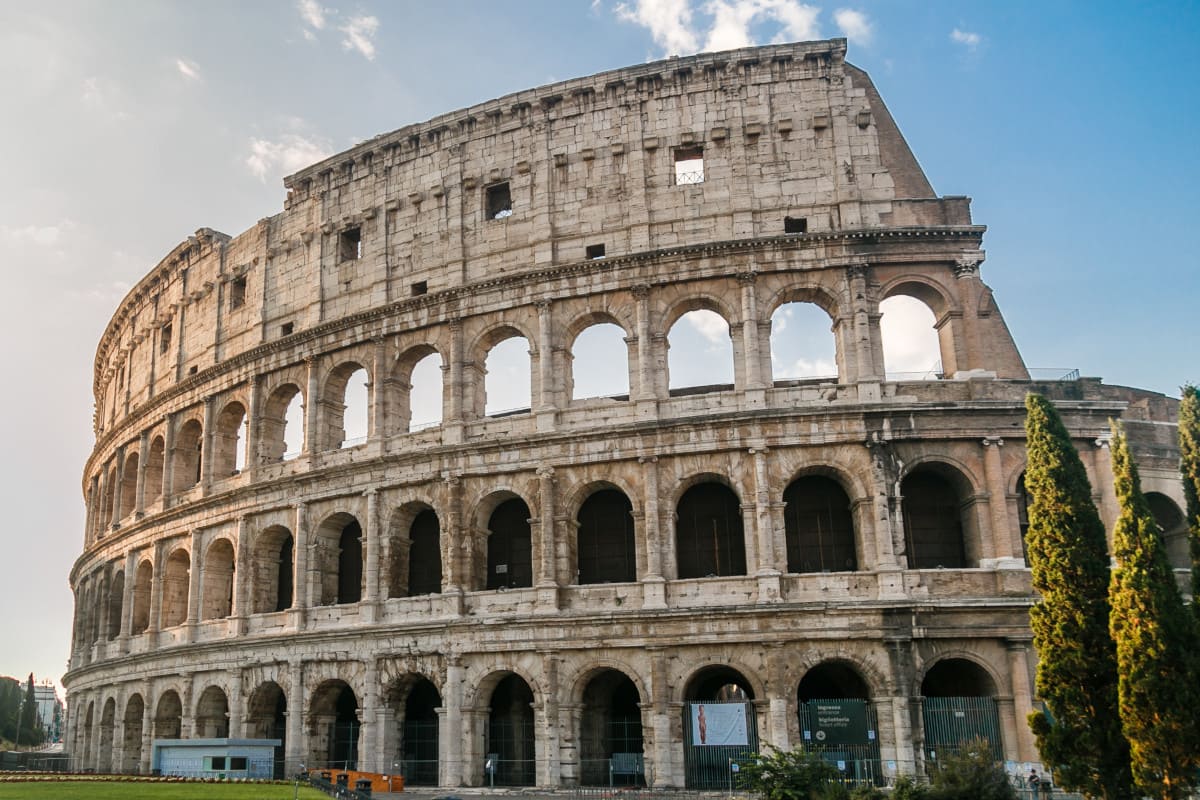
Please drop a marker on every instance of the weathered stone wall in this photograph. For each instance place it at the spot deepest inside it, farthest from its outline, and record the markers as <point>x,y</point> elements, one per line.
<point>180,578</point>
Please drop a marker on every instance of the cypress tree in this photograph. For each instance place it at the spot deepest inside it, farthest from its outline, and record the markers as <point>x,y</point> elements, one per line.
<point>1189,465</point>
<point>1080,737</point>
<point>1155,637</point>
<point>28,718</point>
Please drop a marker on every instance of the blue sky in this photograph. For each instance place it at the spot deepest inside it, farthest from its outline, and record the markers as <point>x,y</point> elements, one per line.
<point>128,125</point>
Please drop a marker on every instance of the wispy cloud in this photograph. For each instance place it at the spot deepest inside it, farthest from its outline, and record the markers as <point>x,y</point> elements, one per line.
<point>709,324</point>
<point>968,39</point>
<point>360,35</point>
<point>312,13</point>
<point>854,25</point>
<point>285,155</point>
<point>40,235</point>
<point>188,69</point>
<point>679,26</point>
<point>104,96</point>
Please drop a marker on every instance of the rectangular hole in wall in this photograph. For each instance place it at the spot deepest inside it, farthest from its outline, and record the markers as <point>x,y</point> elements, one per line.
<point>237,293</point>
<point>286,328</point>
<point>350,244</point>
<point>420,288</point>
<point>499,201</point>
<point>595,251</point>
<point>795,225</point>
<point>689,165</point>
<point>193,370</point>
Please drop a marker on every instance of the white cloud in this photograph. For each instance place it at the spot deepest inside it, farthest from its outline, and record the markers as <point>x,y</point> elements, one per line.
<point>285,155</point>
<point>967,38</point>
<point>359,35</point>
<point>41,235</point>
<point>853,24</point>
<point>669,23</point>
<point>188,69</point>
<point>710,325</point>
<point>910,342</point>
<point>313,15</point>
<point>723,24</point>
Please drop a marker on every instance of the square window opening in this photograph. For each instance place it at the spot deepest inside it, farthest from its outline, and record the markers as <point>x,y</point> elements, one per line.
<point>595,251</point>
<point>164,339</point>
<point>689,166</point>
<point>350,244</point>
<point>237,763</point>
<point>499,201</point>
<point>286,328</point>
<point>419,288</point>
<point>237,293</point>
<point>795,224</point>
<point>193,370</point>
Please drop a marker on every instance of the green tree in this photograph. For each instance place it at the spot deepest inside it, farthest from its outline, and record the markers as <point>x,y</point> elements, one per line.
<point>27,731</point>
<point>787,775</point>
<point>970,774</point>
<point>1155,637</point>
<point>1189,465</point>
<point>1080,737</point>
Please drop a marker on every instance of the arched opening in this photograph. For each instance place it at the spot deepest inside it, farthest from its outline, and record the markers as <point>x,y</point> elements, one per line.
<point>87,732</point>
<point>229,445</point>
<point>344,406</point>
<point>333,727</point>
<point>507,378</point>
<point>212,714</point>
<point>719,724</point>
<point>958,705</point>
<point>709,539</point>
<point>425,555</point>
<point>510,546</point>
<point>168,716</point>
<point>838,721</point>
<point>414,702</point>
<point>425,393</point>
<point>111,490</point>
<point>911,349</point>
<point>143,580</point>
<point>610,732</point>
<point>129,485</point>
<point>339,560</point>
<point>218,568</point>
<point>700,353</point>
<point>116,605</point>
<point>266,718</point>
<point>599,360</point>
<point>606,544</point>
<point>281,427</point>
<point>108,721</point>
<point>1173,527</point>
<point>818,526</point>
<point>933,521</point>
<point>1023,515</point>
<point>131,742</point>
<point>511,758</point>
<point>273,557</point>
<point>189,445</point>
<point>154,470</point>
<point>802,344</point>
<point>176,576</point>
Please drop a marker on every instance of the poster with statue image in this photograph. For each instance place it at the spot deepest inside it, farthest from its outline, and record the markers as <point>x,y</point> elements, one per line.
<point>719,724</point>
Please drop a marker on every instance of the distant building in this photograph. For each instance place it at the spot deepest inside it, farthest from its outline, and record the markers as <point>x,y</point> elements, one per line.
<point>49,710</point>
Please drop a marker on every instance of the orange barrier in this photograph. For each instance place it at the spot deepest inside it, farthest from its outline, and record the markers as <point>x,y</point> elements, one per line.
<point>379,781</point>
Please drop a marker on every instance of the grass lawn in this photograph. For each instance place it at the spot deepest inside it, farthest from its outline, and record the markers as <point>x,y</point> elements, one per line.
<point>117,790</point>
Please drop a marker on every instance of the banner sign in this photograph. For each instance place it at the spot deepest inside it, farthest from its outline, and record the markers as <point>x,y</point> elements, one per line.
<point>719,724</point>
<point>838,722</point>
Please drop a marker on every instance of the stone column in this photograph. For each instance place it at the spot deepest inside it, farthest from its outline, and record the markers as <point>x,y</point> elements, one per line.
<point>187,719</point>
<point>139,507</point>
<point>1102,485</point>
<point>453,397</point>
<point>654,585</point>
<point>368,740</point>
<point>127,600</point>
<point>168,487</point>
<point>156,590</point>
<point>547,395</point>
<point>660,715</point>
<point>242,575</point>
<point>195,584</point>
<point>377,430</point>
<point>453,537</point>
<point>372,533</point>
<point>864,329</point>
<point>1005,544</point>
<point>751,346</point>
<point>311,407</point>
<point>1018,667</point>
<point>900,660</point>
<point>237,707</point>
<point>646,390</point>
<point>299,569</point>
<point>210,440</point>
<point>117,511</point>
<point>295,751</point>
<point>548,767</point>
<point>777,709</point>
<point>451,733</point>
<point>546,581</point>
<point>885,469</point>
<point>767,567</point>
<point>253,441</point>
<point>147,732</point>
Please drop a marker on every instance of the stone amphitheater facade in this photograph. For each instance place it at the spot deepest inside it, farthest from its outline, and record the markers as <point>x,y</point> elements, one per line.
<point>557,586</point>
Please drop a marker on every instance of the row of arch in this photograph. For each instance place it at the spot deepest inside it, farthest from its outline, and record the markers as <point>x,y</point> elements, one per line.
<point>501,373</point>
<point>609,713</point>
<point>820,531</point>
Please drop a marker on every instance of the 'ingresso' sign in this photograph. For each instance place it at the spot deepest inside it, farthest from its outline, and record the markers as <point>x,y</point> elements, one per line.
<point>837,722</point>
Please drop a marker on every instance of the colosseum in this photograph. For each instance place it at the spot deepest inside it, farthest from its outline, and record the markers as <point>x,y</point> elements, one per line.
<point>627,588</point>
